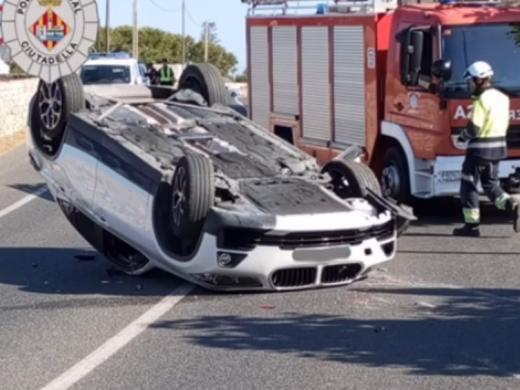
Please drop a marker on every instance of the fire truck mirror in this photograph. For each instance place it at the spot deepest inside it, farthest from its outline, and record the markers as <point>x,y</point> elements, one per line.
<point>441,69</point>
<point>415,52</point>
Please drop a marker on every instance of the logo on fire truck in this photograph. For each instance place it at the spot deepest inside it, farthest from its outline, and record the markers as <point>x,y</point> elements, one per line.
<point>462,112</point>
<point>49,38</point>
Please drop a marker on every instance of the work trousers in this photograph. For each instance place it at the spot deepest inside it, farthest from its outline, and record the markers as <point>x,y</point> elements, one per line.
<point>473,171</point>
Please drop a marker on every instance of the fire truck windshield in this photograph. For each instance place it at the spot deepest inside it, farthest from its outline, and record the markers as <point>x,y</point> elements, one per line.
<point>497,44</point>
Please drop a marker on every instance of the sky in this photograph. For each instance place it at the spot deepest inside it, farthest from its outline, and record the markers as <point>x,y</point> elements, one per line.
<point>229,16</point>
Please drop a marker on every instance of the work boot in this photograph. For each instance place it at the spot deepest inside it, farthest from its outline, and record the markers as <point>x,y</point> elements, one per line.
<point>513,208</point>
<point>467,230</point>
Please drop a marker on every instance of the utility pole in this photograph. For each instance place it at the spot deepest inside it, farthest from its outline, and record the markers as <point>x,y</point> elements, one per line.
<point>107,23</point>
<point>206,40</point>
<point>183,34</point>
<point>135,39</point>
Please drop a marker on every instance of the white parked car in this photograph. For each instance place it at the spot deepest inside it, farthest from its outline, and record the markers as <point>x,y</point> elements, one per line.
<point>112,69</point>
<point>190,186</point>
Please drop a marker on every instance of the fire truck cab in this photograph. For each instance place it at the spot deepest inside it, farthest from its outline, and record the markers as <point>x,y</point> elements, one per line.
<point>386,77</point>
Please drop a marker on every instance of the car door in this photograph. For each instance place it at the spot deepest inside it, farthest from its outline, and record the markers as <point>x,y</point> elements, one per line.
<point>75,170</point>
<point>121,197</point>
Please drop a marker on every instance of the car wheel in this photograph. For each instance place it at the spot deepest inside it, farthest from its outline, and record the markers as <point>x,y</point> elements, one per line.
<point>395,179</point>
<point>55,102</point>
<point>206,80</point>
<point>351,179</point>
<point>193,195</point>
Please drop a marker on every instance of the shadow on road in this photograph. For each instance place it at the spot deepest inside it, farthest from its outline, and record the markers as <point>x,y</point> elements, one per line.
<point>67,271</point>
<point>471,333</point>
<point>30,189</point>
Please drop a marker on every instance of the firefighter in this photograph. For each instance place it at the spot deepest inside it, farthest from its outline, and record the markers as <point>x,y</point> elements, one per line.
<point>166,74</point>
<point>486,137</point>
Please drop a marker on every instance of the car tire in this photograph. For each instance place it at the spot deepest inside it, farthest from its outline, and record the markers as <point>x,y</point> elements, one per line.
<point>193,195</point>
<point>206,80</point>
<point>67,92</point>
<point>358,176</point>
<point>395,178</point>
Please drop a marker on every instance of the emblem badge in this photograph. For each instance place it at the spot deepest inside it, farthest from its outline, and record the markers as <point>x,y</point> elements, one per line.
<point>49,38</point>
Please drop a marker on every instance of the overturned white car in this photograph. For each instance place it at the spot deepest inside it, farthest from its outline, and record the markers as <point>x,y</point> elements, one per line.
<point>156,177</point>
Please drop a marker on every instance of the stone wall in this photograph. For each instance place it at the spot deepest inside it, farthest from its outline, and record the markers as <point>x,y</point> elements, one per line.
<point>15,94</point>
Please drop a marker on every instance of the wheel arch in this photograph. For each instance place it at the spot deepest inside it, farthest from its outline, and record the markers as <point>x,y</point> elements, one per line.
<point>394,135</point>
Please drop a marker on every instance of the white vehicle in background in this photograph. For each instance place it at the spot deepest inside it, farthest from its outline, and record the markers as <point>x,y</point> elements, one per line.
<point>112,68</point>
<point>144,73</point>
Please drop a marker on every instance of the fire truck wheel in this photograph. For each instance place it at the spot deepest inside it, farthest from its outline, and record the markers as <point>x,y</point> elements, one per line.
<point>395,178</point>
<point>350,178</point>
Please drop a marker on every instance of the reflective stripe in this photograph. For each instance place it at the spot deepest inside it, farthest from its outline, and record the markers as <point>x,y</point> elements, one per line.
<point>471,215</point>
<point>466,177</point>
<point>501,201</point>
<point>487,145</point>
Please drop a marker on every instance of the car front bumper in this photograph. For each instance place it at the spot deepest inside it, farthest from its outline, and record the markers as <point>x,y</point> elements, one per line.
<point>294,260</point>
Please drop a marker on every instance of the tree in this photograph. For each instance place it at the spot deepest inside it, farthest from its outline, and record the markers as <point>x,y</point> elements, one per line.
<point>156,45</point>
<point>241,78</point>
<point>212,32</point>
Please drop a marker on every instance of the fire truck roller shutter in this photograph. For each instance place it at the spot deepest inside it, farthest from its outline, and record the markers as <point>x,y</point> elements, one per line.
<point>285,70</point>
<point>259,63</point>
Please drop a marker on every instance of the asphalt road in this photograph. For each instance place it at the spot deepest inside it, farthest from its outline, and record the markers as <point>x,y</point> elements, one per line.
<point>444,315</point>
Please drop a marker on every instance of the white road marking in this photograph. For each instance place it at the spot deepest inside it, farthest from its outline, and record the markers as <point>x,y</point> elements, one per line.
<point>22,202</point>
<point>70,377</point>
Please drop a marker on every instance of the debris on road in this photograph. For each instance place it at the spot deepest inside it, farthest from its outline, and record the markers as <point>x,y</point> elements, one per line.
<point>88,257</point>
<point>426,304</point>
<point>378,329</point>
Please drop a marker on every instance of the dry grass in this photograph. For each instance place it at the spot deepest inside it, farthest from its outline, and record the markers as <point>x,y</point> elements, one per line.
<point>11,142</point>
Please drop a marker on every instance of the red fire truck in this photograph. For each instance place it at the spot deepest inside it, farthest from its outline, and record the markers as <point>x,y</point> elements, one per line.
<point>386,77</point>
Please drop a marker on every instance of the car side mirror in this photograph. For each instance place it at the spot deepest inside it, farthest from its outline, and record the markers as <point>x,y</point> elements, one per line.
<point>441,70</point>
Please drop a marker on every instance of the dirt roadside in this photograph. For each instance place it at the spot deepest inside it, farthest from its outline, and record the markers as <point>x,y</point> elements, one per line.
<point>11,142</point>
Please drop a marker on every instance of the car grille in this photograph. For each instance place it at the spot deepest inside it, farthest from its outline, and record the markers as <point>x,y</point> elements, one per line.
<point>333,274</point>
<point>294,277</point>
<point>244,239</point>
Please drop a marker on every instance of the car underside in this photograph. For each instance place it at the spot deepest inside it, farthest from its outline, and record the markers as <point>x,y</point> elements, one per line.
<point>175,179</point>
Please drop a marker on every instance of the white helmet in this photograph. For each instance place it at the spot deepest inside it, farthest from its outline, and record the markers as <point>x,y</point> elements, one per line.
<point>478,70</point>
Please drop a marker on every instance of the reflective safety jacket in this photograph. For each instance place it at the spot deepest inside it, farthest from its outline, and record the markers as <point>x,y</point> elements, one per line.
<point>166,74</point>
<point>487,127</point>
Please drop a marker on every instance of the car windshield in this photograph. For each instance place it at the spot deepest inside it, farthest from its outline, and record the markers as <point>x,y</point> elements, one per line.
<point>497,44</point>
<point>105,74</point>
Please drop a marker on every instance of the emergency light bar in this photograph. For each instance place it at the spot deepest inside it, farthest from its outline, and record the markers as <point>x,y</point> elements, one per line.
<point>320,7</point>
<point>119,55</point>
<point>357,6</point>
